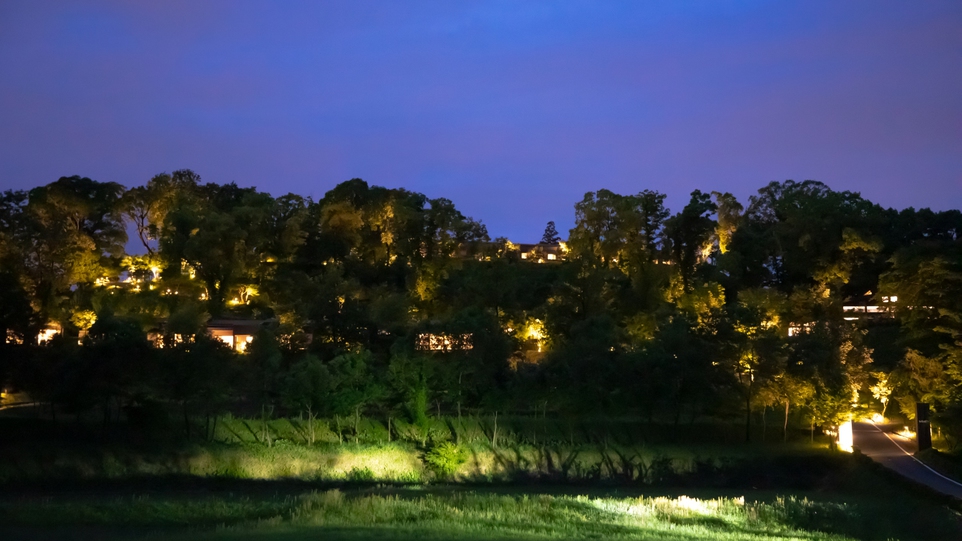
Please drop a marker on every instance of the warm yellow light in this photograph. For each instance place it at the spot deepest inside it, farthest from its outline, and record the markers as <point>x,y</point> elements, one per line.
<point>46,335</point>
<point>535,330</point>
<point>845,438</point>
<point>444,342</point>
<point>242,341</point>
<point>877,418</point>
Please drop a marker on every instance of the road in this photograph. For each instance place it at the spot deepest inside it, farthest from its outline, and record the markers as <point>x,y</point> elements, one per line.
<point>895,452</point>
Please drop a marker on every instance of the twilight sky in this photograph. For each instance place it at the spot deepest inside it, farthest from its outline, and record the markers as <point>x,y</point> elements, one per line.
<point>512,109</point>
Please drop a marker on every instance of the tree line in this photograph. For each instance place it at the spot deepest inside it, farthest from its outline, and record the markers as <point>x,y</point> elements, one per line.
<point>720,310</point>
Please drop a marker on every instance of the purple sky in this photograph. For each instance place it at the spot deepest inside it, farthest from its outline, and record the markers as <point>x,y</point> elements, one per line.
<point>511,109</point>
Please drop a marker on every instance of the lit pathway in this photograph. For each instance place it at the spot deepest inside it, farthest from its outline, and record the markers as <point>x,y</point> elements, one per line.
<point>895,452</point>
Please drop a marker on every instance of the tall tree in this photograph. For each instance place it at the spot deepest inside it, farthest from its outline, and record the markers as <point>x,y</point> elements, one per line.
<point>221,233</point>
<point>688,235</point>
<point>147,206</point>
<point>550,235</point>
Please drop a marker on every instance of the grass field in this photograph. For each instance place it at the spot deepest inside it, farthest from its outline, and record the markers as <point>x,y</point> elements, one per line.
<point>75,485</point>
<point>338,515</point>
<point>840,497</point>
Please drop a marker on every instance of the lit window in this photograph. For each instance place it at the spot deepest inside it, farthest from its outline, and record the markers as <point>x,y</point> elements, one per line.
<point>241,341</point>
<point>224,335</point>
<point>444,342</point>
<point>795,329</point>
<point>13,338</point>
<point>552,257</point>
<point>524,255</point>
<point>47,333</point>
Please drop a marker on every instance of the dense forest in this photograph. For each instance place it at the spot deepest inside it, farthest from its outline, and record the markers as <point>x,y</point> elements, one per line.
<point>812,303</point>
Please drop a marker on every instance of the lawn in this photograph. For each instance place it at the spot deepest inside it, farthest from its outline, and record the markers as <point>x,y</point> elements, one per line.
<point>287,492</point>
<point>335,514</point>
<point>863,506</point>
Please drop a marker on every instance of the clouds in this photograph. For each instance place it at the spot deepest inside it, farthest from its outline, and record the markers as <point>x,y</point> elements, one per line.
<point>490,104</point>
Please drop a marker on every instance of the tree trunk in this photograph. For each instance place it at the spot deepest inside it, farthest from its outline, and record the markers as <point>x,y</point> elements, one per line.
<point>186,420</point>
<point>748,415</point>
<point>544,421</point>
<point>310,422</point>
<point>494,433</point>
<point>266,412</point>
<point>764,423</point>
<point>357,421</point>
<point>457,433</point>
<point>106,414</point>
<point>785,426</point>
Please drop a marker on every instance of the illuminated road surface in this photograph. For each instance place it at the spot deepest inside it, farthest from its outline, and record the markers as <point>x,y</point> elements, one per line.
<point>895,452</point>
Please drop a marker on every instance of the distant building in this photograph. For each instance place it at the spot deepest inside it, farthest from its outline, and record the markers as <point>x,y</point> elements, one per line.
<point>48,332</point>
<point>535,253</point>
<point>540,253</point>
<point>444,342</point>
<point>236,333</point>
<point>866,306</point>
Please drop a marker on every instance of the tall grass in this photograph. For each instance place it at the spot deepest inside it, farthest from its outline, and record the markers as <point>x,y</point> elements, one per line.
<point>398,463</point>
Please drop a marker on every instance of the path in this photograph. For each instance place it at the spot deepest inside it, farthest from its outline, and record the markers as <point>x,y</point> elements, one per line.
<point>895,452</point>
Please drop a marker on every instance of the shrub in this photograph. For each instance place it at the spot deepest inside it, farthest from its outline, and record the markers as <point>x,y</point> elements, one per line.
<point>360,475</point>
<point>445,458</point>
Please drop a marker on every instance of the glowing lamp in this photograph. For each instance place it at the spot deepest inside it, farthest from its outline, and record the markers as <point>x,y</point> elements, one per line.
<point>845,438</point>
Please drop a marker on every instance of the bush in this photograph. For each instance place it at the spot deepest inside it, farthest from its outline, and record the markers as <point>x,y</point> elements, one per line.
<point>445,458</point>
<point>361,475</point>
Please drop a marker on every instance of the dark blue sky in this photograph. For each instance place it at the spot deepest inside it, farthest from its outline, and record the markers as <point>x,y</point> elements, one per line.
<point>511,109</point>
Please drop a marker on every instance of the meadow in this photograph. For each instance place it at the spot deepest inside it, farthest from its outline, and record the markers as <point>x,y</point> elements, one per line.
<point>548,479</point>
<point>447,512</point>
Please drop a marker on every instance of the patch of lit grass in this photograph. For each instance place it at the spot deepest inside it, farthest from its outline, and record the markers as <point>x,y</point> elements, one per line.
<point>337,515</point>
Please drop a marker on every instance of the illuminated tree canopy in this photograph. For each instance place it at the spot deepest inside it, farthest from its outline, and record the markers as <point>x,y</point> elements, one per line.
<point>382,301</point>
